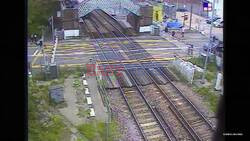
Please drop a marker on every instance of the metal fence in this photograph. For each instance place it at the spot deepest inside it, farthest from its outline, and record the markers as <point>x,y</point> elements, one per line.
<point>187,69</point>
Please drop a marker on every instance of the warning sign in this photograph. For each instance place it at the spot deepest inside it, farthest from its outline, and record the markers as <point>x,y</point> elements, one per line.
<point>158,13</point>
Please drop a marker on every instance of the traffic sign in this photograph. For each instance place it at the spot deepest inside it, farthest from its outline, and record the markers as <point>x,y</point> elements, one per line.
<point>185,17</point>
<point>207,6</point>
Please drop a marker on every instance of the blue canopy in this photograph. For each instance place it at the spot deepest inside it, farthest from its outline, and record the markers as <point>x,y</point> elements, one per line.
<point>173,24</point>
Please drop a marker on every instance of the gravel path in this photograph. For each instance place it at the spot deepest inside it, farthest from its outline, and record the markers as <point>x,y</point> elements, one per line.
<point>71,111</point>
<point>100,110</point>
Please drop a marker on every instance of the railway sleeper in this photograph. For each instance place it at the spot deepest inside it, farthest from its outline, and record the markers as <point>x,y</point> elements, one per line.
<point>201,129</point>
<point>154,133</point>
<point>157,137</point>
<point>192,118</point>
<point>156,129</point>
<point>143,114</point>
<point>176,98</point>
<point>142,109</point>
<point>146,120</point>
<point>132,101</point>
<point>190,113</point>
<point>172,95</point>
<point>183,108</point>
<point>207,138</point>
<point>206,135</point>
<point>149,125</point>
<point>138,105</point>
<point>197,122</point>
<point>131,95</point>
<point>197,125</point>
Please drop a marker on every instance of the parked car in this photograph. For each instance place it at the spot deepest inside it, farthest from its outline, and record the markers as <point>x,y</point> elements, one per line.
<point>218,23</point>
<point>216,45</point>
<point>210,20</point>
<point>181,10</point>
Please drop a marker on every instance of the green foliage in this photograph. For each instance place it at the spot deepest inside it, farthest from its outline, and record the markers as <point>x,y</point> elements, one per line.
<point>38,76</point>
<point>210,97</point>
<point>98,131</point>
<point>37,131</point>
<point>57,81</point>
<point>38,13</point>
<point>83,112</point>
<point>210,76</point>
<point>88,130</point>
<point>76,83</point>
<point>197,61</point>
<point>197,75</point>
<point>211,68</point>
<point>113,131</point>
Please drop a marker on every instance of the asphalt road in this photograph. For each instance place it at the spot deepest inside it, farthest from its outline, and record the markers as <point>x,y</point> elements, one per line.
<point>31,51</point>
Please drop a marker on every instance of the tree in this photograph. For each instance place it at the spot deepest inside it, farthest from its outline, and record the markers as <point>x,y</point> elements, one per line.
<point>38,13</point>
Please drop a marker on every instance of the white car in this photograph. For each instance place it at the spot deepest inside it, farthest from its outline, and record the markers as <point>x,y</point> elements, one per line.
<point>218,23</point>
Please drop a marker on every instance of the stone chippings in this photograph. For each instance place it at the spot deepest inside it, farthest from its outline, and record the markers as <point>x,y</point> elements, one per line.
<point>128,127</point>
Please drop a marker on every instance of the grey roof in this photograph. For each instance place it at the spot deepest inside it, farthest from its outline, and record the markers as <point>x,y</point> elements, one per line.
<point>86,7</point>
<point>56,93</point>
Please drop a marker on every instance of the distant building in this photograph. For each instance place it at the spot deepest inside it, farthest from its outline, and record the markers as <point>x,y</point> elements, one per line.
<point>218,8</point>
<point>56,93</point>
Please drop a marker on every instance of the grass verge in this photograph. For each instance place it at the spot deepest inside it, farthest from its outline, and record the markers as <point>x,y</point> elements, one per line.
<point>97,130</point>
<point>41,125</point>
<point>211,98</point>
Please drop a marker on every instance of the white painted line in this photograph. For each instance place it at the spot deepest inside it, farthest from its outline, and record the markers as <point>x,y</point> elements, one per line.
<point>35,52</point>
<point>92,112</point>
<point>83,76</point>
<point>85,82</point>
<point>86,91</point>
<point>89,101</point>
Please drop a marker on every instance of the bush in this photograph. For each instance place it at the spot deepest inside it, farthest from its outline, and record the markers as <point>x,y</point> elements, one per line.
<point>210,97</point>
<point>76,83</point>
<point>36,130</point>
<point>98,131</point>
<point>210,76</point>
<point>211,68</point>
<point>197,75</point>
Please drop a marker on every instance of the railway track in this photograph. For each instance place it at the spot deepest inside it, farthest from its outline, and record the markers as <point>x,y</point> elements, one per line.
<point>147,122</point>
<point>195,121</point>
<point>151,128</point>
<point>185,112</point>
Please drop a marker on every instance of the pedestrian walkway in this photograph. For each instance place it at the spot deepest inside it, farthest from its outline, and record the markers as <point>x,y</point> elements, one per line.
<point>100,110</point>
<point>71,111</point>
<point>173,40</point>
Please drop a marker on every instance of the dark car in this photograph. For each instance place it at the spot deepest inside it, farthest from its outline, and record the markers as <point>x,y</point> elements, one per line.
<point>210,20</point>
<point>216,45</point>
<point>182,10</point>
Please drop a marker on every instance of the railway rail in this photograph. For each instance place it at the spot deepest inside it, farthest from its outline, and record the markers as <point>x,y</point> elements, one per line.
<point>194,122</point>
<point>148,122</point>
<point>194,127</point>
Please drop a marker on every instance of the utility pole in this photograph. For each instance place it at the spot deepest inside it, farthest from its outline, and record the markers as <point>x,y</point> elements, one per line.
<point>177,4</point>
<point>209,46</point>
<point>190,23</point>
<point>52,27</point>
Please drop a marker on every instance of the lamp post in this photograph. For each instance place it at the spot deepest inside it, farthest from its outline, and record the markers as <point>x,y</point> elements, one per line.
<point>209,46</point>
